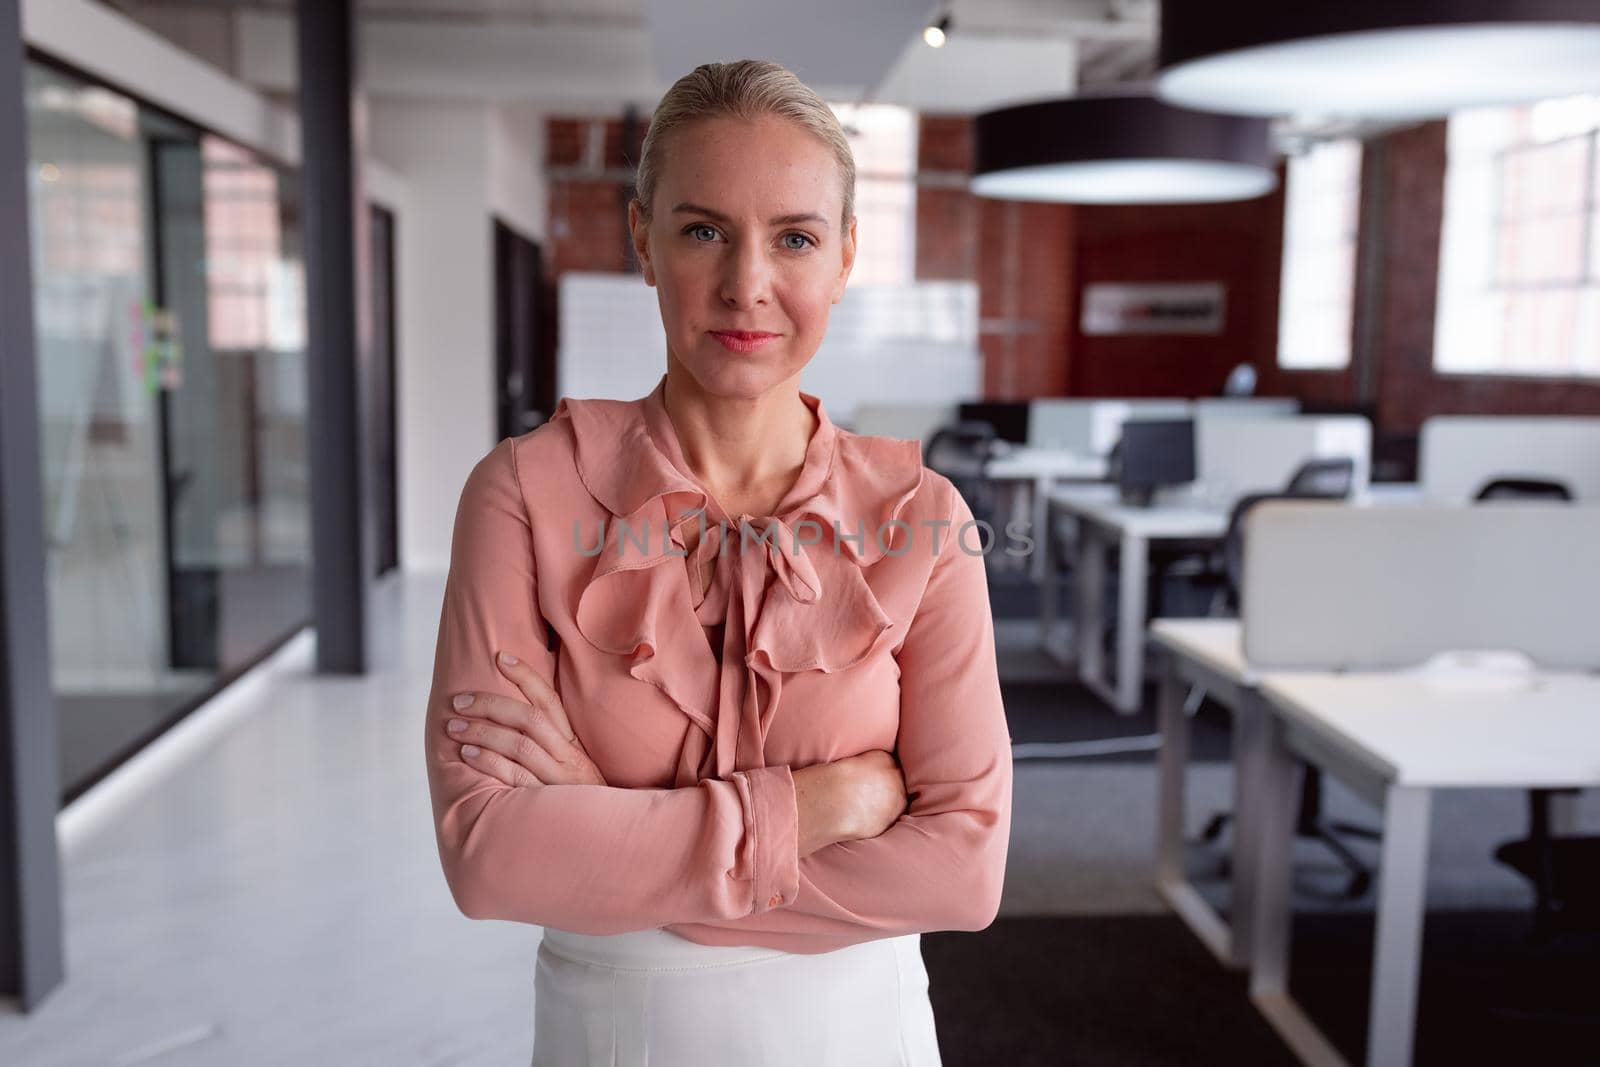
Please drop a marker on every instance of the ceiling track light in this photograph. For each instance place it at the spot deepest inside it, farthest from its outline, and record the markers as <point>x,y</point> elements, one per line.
<point>936,33</point>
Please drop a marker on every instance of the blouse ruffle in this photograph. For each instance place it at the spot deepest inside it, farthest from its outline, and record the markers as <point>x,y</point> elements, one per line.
<point>798,605</point>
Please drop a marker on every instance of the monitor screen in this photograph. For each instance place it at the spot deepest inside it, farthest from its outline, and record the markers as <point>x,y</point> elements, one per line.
<point>1156,452</point>
<point>1008,417</point>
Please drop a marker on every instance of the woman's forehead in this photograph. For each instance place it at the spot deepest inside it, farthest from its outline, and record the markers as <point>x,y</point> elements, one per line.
<point>728,163</point>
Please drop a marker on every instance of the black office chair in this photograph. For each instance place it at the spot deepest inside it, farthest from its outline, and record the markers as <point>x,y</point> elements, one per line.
<point>1319,479</point>
<point>961,452</point>
<point>1564,871</point>
<point>1315,479</point>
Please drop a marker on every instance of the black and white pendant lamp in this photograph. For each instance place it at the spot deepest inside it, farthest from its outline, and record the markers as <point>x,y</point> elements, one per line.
<point>1381,59</point>
<point>1129,149</point>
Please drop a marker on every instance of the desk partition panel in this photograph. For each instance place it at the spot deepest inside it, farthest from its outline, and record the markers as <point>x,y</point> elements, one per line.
<point>1257,455</point>
<point>1329,586</point>
<point>1459,454</point>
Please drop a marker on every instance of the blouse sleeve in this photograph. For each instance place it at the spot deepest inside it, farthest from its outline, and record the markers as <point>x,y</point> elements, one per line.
<point>585,858</point>
<point>941,865</point>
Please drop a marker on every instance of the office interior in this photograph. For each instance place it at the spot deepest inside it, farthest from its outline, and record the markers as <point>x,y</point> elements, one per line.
<point>1302,667</point>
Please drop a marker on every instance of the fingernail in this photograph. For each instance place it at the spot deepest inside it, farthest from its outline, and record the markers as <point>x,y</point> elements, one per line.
<point>470,751</point>
<point>508,659</point>
<point>455,726</point>
<point>462,700</point>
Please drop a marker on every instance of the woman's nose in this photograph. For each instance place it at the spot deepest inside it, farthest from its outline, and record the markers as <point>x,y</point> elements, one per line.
<point>746,278</point>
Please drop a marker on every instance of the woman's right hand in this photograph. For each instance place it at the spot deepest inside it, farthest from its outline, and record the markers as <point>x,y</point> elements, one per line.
<point>850,799</point>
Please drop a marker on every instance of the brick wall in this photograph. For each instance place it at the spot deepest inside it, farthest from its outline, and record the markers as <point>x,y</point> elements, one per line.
<point>591,174</point>
<point>1031,260</point>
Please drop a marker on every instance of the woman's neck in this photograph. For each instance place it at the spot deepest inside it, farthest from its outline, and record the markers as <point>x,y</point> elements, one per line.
<point>747,451</point>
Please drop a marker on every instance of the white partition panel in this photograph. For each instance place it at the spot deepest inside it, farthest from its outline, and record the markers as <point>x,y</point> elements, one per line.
<point>1059,422</point>
<point>913,421</point>
<point>1235,456</point>
<point>1228,406</point>
<point>1328,585</point>
<point>1107,416</point>
<point>1459,454</point>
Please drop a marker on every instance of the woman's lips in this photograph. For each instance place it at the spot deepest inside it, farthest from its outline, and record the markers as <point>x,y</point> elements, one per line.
<point>743,340</point>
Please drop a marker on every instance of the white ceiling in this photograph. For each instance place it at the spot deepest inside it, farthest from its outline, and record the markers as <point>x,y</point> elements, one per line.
<point>598,56</point>
<point>842,43</point>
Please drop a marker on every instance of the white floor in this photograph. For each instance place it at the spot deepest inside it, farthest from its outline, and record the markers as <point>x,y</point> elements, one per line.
<point>276,899</point>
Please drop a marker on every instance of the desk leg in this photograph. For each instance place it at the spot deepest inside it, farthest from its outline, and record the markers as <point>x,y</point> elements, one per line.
<point>1249,756</point>
<point>1277,790</point>
<point>1041,518</point>
<point>1131,595</point>
<point>1044,548</point>
<point>1089,578</point>
<point>1173,758</point>
<point>1277,786</point>
<point>1397,949</point>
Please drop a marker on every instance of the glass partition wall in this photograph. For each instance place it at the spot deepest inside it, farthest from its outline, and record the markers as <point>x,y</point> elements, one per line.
<point>170,311</point>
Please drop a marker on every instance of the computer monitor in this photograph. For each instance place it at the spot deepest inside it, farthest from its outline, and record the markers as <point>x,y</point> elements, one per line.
<point>1154,453</point>
<point>1008,417</point>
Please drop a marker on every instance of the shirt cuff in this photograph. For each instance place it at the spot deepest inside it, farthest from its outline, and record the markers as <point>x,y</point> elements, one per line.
<point>775,824</point>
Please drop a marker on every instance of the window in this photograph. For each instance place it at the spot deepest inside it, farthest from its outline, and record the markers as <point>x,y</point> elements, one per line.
<point>1519,256</point>
<point>1322,209</point>
<point>884,141</point>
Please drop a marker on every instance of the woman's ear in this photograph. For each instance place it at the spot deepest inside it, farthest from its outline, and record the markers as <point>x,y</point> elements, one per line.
<point>847,250</point>
<point>639,230</point>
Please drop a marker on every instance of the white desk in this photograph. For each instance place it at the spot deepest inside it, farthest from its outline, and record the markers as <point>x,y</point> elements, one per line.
<point>1101,518</point>
<point>1395,737</point>
<point>1044,467</point>
<point>1207,652</point>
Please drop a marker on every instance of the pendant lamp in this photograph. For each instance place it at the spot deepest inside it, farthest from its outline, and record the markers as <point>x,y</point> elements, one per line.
<point>1382,59</point>
<point>1119,150</point>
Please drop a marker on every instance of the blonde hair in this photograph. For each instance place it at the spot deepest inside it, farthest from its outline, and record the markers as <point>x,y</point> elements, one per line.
<point>746,89</point>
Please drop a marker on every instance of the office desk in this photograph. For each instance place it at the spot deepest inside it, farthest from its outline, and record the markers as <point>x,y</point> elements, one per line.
<point>1102,518</point>
<point>1043,467</point>
<point>1206,652</point>
<point>1395,737</point>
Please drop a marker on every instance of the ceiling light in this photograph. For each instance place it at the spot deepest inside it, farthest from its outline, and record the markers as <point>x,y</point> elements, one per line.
<point>1119,150</point>
<point>1376,58</point>
<point>936,33</point>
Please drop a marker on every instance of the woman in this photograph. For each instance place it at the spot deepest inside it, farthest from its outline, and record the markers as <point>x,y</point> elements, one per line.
<point>748,743</point>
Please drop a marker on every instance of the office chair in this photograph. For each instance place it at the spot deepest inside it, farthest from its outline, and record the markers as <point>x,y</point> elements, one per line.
<point>1318,479</point>
<point>961,451</point>
<point>1564,871</point>
<point>1315,479</point>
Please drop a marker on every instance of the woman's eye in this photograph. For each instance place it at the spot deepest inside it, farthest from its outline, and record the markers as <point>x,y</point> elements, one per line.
<point>703,233</point>
<point>796,242</point>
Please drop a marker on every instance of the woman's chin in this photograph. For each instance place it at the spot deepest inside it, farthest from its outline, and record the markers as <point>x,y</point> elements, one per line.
<point>746,374</point>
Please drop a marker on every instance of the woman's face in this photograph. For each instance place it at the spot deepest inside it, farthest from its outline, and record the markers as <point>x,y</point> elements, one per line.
<point>745,249</point>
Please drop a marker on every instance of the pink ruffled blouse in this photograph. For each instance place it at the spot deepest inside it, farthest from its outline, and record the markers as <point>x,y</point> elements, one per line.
<point>851,619</point>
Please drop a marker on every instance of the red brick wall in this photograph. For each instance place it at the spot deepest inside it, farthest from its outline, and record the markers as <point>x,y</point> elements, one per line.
<point>1237,244</point>
<point>589,183</point>
<point>1031,261</point>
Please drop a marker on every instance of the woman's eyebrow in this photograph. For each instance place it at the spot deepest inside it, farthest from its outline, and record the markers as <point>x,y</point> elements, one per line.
<point>781,220</point>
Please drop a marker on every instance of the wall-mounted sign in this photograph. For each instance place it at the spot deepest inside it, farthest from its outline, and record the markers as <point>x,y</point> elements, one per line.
<point>1168,307</point>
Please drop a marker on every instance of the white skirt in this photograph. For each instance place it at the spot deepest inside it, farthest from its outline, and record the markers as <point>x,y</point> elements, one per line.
<point>652,997</point>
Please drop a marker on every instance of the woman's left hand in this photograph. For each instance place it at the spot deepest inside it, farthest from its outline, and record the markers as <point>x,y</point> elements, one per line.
<point>521,743</point>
